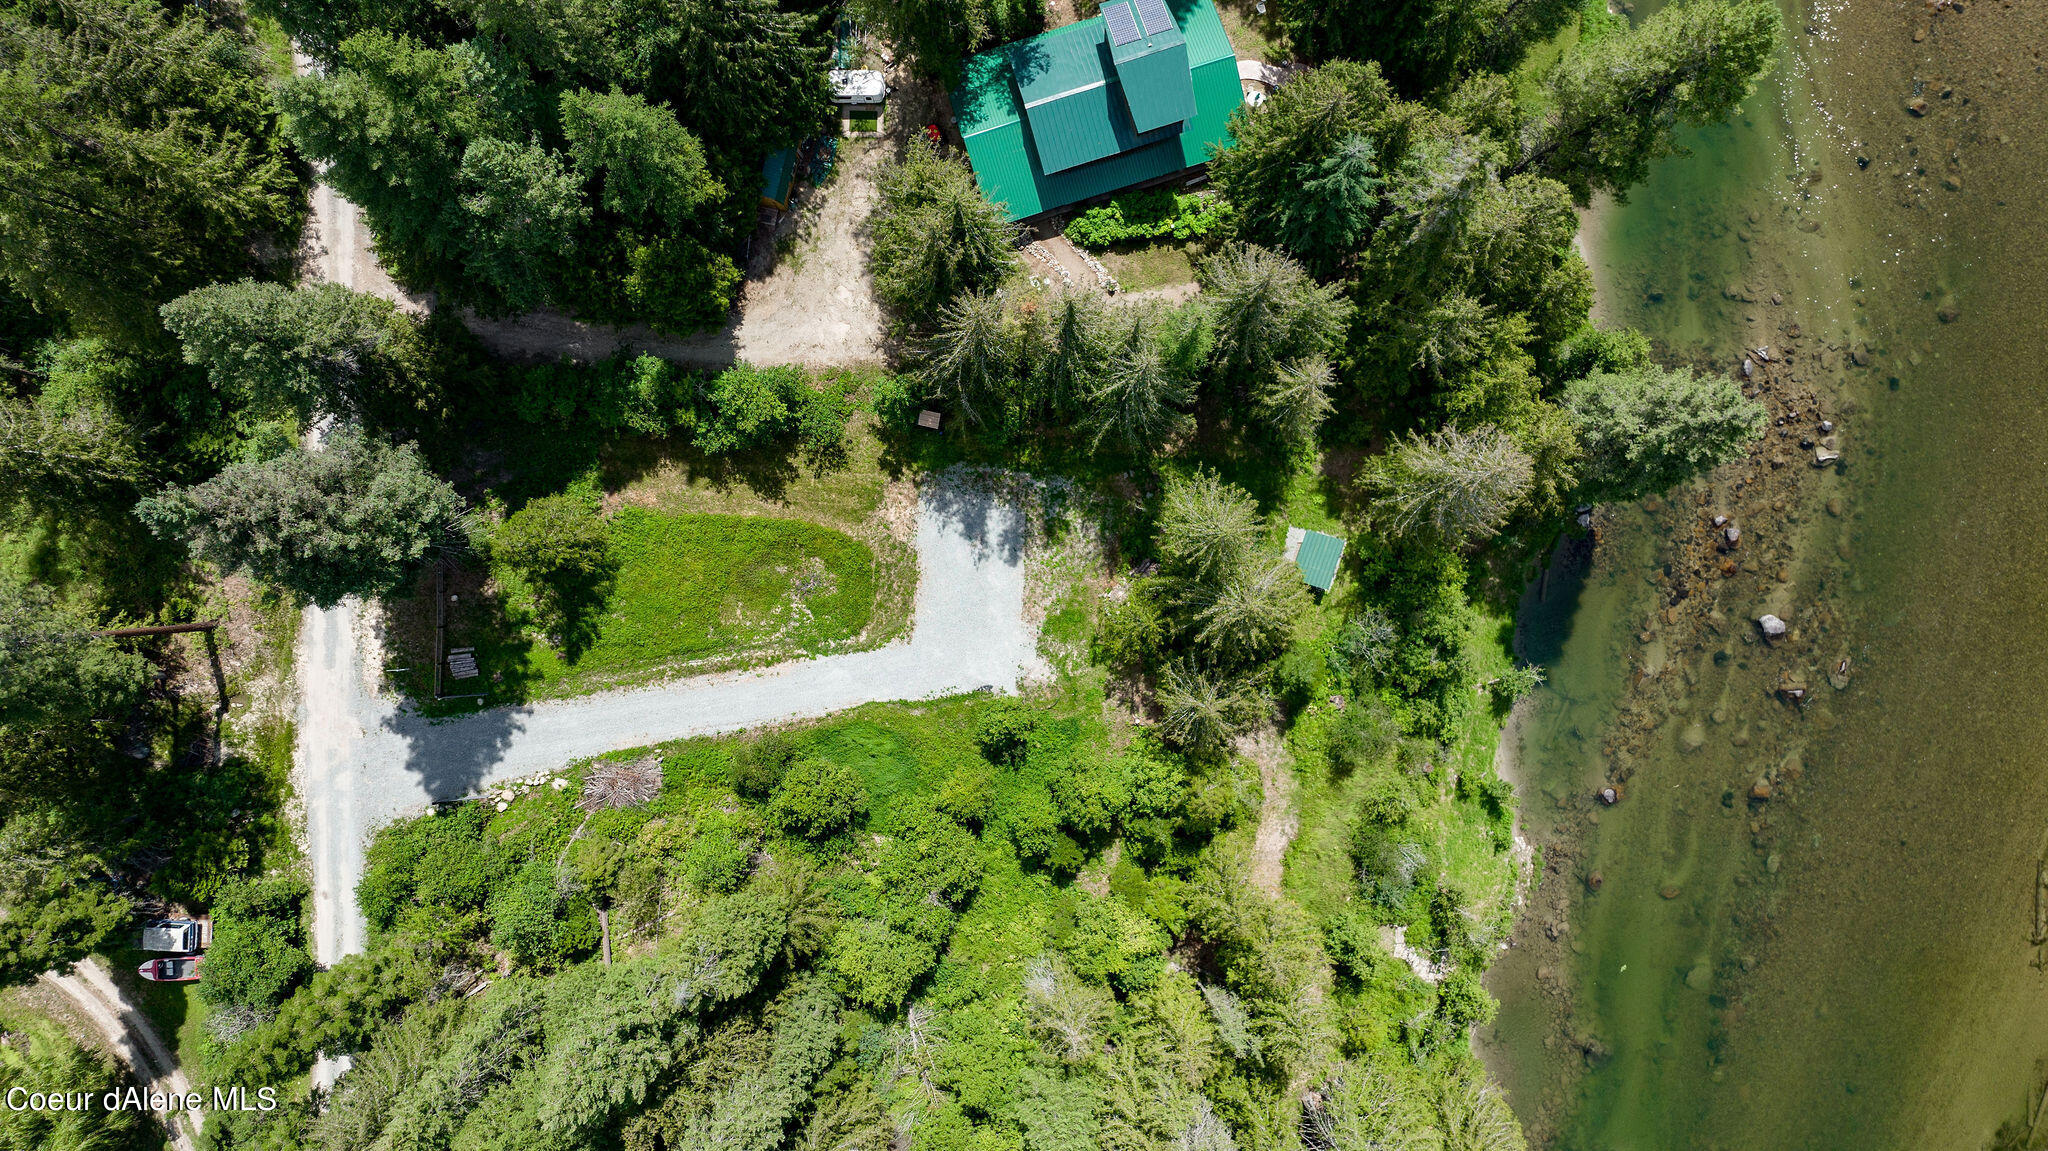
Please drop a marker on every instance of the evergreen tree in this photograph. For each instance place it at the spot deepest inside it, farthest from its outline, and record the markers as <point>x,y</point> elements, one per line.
<point>1138,404</point>
<point>53,670</point>
<point>935,236</point>
<point>1312,120</point>
<point>578,156</point>
<point>1069,350</point>
<point>1248,614</point>
<point>1268,311</point>
<point>317,352</point>
<point>1332,214</point>
<point>1651,429</point>
<point>522,207</point>
<point>1425,45</point>
<point>1207,528</point>
<point>352,518</point>
<point>972,359</point>
<point>1452,486</point>
<point>651,167</point>
<point>60,453</point>
<point>1202,711</point>
<point>1296,401</point>
<point>136,160</point>
<point>939,34</point>
<point>1615,103</point>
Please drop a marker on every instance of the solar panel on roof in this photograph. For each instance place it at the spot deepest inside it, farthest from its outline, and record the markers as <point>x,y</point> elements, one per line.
<point>1122,27</point>
<point>1154,15</point>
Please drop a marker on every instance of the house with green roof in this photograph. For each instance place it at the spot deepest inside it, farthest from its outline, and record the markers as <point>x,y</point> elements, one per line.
<point>1140,92</point>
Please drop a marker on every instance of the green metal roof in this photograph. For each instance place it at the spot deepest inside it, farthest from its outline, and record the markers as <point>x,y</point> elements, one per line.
<point>1157,87</point>
<point>1318,559</point>
<point>1151,62</point>
<point>1024,153</point>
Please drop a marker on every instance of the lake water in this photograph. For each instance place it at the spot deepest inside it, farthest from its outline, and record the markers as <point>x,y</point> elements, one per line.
<point>1812,924</point>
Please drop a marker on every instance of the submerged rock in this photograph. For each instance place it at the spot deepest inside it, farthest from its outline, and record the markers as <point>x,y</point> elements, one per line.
<point>1772,626</point>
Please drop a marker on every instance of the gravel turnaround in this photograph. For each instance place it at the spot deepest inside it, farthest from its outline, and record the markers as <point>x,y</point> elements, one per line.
<point>364,762</point>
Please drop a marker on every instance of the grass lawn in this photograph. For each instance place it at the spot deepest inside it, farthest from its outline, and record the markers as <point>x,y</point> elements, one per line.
<point>692,593</point>
<point>1157,265</point>
<point>866,123</point>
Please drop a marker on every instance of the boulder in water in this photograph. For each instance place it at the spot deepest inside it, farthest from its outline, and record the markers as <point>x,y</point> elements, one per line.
<point>1773,627</point>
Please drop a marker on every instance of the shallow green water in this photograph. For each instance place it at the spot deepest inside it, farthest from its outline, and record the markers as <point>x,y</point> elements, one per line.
<point>1853,970</point>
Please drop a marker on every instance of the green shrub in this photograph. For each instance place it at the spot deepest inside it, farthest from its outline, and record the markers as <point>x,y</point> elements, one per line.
<point>639,394</point>
<point>1462,1002</point>
<point>1114,943</point>
<point>1131,634</point>
<point>1004,731</point>
<point>1391,865</point>
<point>1092,792</point>
<point>259,951</point>
<point>759,764</point>
<point>1360,736</point>
<point>1148,215</point>
<point>716,861</point>
<point>878,963</point>
<point>1298,676</point>
<point>817,798</point>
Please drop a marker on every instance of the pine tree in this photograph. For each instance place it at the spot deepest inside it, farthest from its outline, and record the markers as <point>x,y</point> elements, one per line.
<point>352,518</point>
<point>1651,429</point>
<point>1452,486</point>
<point>59,453</point>
<point>971,359</point>
<point>53,670</point>
<point>324,351</point>
<point>1310,120</point>
<point>1615,103</point>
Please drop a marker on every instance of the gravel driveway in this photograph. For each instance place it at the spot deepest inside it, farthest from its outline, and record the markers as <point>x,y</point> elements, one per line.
<point>363,763</point>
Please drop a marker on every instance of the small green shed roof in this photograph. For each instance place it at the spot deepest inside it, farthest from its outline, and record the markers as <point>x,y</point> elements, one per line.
<point>1318,559</point>
<point>778,176</point>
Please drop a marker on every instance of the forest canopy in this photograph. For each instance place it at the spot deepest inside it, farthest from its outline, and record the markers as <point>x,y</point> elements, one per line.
<point>600,159</point>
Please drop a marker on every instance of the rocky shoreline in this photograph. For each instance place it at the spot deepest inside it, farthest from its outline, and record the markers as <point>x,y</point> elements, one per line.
<point>1726,731</point>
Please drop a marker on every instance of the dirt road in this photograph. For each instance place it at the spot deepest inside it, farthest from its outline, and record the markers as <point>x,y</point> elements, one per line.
<point>90,989</point>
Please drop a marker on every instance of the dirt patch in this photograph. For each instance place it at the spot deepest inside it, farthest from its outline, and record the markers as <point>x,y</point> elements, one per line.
<point>817,305</point>
<point>1279,820</point>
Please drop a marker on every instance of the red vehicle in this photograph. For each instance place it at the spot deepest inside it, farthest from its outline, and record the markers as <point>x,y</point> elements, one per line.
<point>181,969</point>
